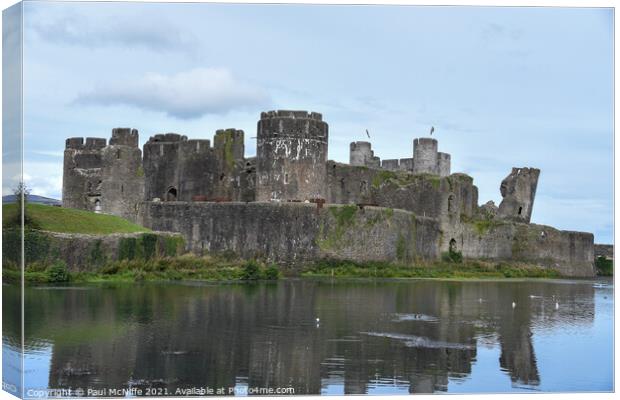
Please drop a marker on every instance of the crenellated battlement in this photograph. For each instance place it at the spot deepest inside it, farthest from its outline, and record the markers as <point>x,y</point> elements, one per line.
<point>292,114</point>
<point>276,125</point>
<point>167,138</point>
<point>124,137</point>
<point>78,143</point>
<point>195,146</point>
<point>222,136</point>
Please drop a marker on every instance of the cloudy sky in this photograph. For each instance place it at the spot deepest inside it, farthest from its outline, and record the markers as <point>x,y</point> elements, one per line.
<point>503,87</point>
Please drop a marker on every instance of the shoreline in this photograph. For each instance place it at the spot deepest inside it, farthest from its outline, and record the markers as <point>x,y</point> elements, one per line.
<point>218,270</point>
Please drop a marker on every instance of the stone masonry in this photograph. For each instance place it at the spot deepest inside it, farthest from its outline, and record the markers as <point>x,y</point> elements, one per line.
<point>292,205</point>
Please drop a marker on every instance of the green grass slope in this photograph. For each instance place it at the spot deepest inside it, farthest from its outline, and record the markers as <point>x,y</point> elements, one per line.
<point>69,220</point>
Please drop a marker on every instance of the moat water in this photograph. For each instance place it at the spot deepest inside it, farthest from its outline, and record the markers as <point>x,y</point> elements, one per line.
<point>316,337</point>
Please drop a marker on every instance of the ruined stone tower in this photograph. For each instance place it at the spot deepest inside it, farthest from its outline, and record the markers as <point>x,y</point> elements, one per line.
<point>361,154</point>
<point>427,160</point>
<point>178,169</point>
<point>160,163</point>
<point>195,170</point>
<point>122,174</point>
<point>291,156</point>
<point>229,150</point>
<point>518,190</point>
<point>82,173</point>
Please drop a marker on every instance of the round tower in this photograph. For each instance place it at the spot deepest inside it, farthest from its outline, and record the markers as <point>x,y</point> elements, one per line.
<point>291,156</point>
<point>360,153</point>
<point>425,156</point>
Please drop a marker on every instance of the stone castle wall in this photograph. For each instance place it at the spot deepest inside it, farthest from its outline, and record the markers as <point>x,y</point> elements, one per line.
<point>445,198</point>
<point>570,253</point>
<point>334,231</point>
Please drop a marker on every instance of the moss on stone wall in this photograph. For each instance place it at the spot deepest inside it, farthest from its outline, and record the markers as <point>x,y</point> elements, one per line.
<point>148,246</point>
<point>173,245</point>
<point>226,141</point>
<point>344,217</point>
<point>401,179</point>
<point>127,249</point>
<point>97,256</point>
<point>401,248</point>
<point>483,226</point>
<point>382,177</point>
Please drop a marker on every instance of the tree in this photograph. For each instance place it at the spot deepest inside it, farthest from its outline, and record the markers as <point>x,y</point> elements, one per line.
<point>21,198</point>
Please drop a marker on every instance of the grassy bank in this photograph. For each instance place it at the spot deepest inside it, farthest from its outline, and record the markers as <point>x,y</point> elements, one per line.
<point>68,220</point>
<point>439,269</point>
<point>185,267</point>
<point>208,268</point>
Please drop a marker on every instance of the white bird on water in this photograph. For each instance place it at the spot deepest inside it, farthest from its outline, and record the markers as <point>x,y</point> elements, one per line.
<point>557,305</point>
<point>317,320</point>
<point>514,304</point>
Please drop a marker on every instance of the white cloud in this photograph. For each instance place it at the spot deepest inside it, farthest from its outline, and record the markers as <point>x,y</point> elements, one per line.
<point>83,30</point>
<point>186,95</point>
<point>43,178</point>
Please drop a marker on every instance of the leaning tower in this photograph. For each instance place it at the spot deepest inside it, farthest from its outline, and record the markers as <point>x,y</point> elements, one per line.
<point>291,156</point>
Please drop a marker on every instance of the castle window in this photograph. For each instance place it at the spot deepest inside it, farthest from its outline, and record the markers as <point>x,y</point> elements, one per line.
<point>97,206</point>
<point>118,154</point>
<point>285,179</point>
<point>520,209</point>
<point>450,201</point>
<point>222,177</point>
<point>171,195</point>
<point>122,188</point>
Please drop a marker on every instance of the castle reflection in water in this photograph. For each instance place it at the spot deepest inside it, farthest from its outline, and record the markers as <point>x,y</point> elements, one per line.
<point>410,336</point>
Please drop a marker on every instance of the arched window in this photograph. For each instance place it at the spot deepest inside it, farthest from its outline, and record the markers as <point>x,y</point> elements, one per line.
<point>520,210</point>
<point>97,206</point>
<point>171,194</point>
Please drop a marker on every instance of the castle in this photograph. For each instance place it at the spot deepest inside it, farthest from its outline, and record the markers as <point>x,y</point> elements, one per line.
<point>292,205</point>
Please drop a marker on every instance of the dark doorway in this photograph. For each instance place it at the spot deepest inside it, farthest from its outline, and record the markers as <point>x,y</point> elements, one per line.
<point>171,194</point>
<point>452,246</point>
<point>520,209</point>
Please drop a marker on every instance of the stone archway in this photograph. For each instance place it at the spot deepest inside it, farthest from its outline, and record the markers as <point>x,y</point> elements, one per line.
<point>171,194</point>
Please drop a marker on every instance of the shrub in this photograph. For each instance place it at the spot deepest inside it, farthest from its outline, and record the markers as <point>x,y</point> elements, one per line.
<point>272,272</point>
<point>251,271</point>
<point>456,256</point>
<point>57,272</point>
<point>604,266</point>
<point>452,256</point>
